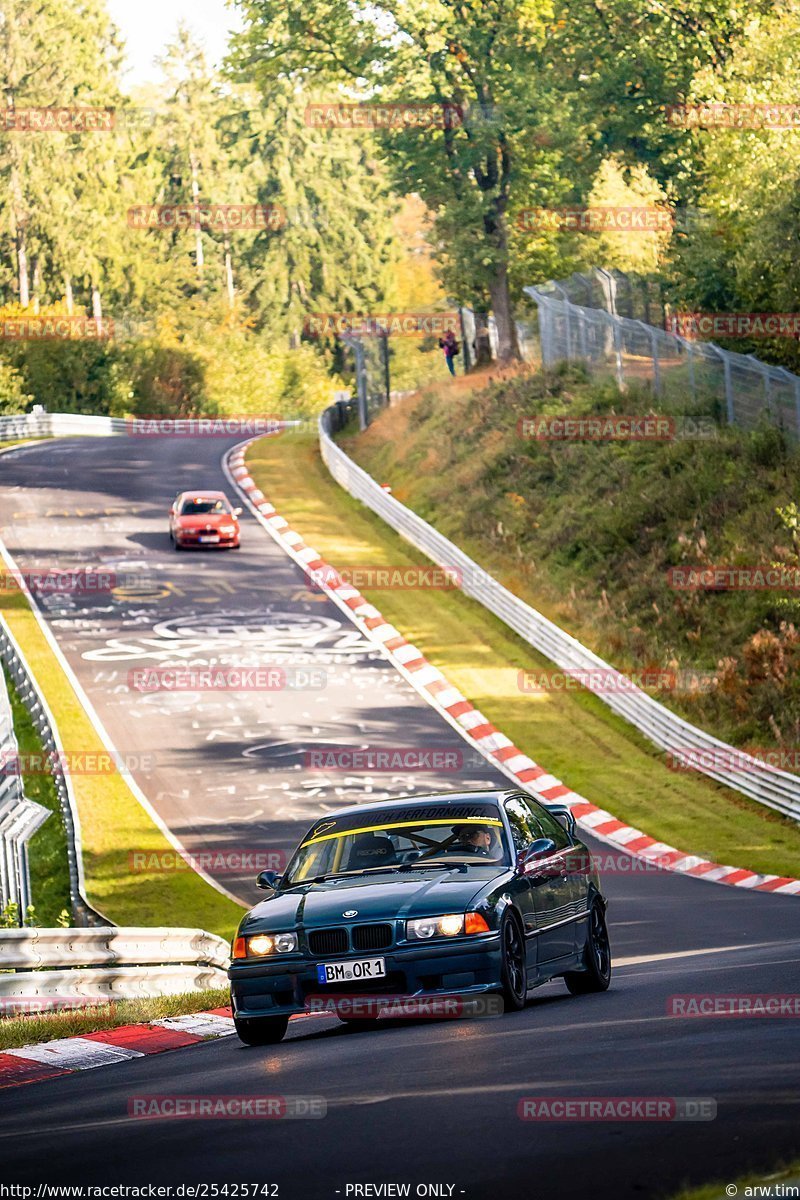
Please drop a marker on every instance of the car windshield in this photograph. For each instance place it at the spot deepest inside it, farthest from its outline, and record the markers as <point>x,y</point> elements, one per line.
<point>390,841</point>
<point>195,507</point>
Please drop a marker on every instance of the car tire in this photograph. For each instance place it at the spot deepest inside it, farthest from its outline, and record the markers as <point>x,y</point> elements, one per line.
<point>263,1031</point>
<point>596,975</point>
<point>513,971</point>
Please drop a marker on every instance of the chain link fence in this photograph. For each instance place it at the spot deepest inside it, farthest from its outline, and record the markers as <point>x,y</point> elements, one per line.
<point>585,319</point>
<point>372,358</point>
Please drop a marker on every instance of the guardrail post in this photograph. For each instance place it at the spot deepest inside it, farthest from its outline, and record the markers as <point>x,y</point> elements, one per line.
<point>616,334</point>
<point>653,334</point>
<point>687,345</point>
<point>726,363</point>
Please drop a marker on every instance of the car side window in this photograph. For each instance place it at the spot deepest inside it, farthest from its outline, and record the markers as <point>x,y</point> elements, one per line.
<point>550,827</point>
<point>524,826</point>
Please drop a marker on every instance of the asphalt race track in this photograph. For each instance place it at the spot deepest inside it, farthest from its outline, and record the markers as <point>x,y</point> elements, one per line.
<point>225,770</point>
<point>423,1102</point>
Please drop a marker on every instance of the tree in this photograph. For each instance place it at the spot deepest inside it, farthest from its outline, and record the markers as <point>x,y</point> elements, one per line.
<point>480,57</point>
<point>332,248</point>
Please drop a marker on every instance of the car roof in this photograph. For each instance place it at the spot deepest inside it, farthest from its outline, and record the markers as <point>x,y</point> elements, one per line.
<point>495,794</point>
<point>202,494</point>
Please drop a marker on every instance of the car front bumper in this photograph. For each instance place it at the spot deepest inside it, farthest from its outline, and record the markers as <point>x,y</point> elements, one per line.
<point>265,989</point>
<point>193,539</point>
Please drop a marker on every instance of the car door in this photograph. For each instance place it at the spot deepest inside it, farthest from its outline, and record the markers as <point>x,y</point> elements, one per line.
<point>575,866</point>
<point>550,890</point>
<point>522,835</point>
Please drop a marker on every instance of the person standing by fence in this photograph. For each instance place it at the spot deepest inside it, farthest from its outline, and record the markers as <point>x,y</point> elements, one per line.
<point>449,343</point>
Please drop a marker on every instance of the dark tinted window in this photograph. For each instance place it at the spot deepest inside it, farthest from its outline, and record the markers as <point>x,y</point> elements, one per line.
<point>524,826</point>
<point>549,825</point>
<point>194,508</point>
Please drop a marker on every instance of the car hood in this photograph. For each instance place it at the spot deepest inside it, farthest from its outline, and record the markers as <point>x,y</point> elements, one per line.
<point>202,520</point>
<point>415,894</point>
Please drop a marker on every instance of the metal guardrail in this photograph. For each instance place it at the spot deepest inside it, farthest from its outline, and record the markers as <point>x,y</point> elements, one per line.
<point>106,963</point>
<point>44,724</point>
<point>33,425</point>
<point>770,786</point>
<point>108,945</point>
<point>689,377</point>
<point>19,817</point>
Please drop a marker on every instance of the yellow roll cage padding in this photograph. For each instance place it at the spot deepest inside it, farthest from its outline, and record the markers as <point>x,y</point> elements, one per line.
<point>325,837</point>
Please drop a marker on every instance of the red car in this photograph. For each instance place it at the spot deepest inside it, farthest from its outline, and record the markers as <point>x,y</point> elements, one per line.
<point>204,519</point>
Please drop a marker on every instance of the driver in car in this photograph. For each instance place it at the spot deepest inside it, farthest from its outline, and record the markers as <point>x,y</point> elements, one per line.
<point>473,839</point>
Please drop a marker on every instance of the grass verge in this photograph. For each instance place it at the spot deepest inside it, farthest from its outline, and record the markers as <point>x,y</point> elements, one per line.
<point>47,849</point>
<point>28,1030</point>
<point>113,822</point>
<point>573,735</point>
<point>717,1191</point>
<point>591,534</point>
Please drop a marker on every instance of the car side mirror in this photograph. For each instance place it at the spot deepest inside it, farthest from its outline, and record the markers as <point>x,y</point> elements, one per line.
<point>237,512</point>
<point>268,880</point>
<point>541,848</point>
<point>563,814</point>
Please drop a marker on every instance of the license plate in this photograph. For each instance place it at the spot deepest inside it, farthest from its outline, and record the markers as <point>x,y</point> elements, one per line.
<point>348,972</point>
<point>209,537</point>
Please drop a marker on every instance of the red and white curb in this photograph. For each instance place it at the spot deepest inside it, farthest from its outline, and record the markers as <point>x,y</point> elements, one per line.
<point>46,1060</point>
<point>471,724</point>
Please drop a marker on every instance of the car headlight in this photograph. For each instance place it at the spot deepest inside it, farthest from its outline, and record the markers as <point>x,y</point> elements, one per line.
<point>428,927</point>
<point>227,529</point>
<point>263,944</point>
<point>450,925</point>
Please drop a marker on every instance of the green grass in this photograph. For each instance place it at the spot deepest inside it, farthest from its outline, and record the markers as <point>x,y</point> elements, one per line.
<point>112,820</point>
<point>26,1031</point>
<point>47,849</point>
<point>716,1191</point>
<point>572,735</point>
<point>586,532</point>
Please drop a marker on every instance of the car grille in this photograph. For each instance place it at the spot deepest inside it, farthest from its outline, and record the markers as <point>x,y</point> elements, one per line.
<point>371,937</point>
<point>328,941</point>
